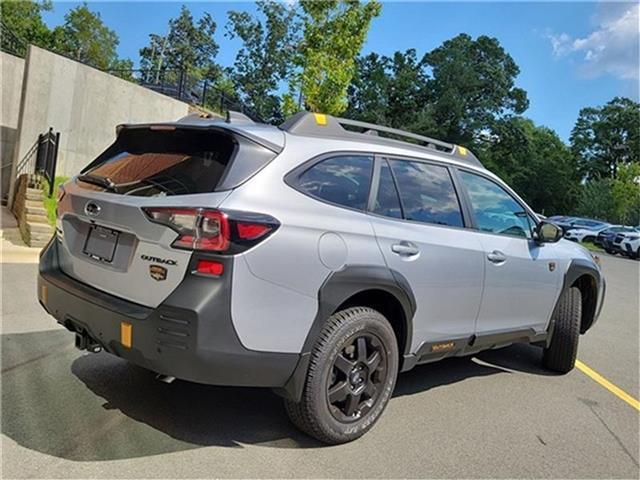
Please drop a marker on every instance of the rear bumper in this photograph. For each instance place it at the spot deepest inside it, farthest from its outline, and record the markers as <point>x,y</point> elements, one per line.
<point>189,336</point>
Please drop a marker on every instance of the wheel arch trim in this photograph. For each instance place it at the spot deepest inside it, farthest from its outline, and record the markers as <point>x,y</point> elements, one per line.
<point>339,287</point>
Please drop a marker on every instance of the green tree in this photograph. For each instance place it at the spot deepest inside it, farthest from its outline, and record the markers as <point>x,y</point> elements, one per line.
<point>605,137</point>
<point>535,162</point>
<point>389,91</point>
<point>188,46</point>
<point>472,84</point>
<point>596,200</point>
<point>85,38</point>
<point>266,56</point>
<point>334,32</point>
<point>24,21</point>
<point>625,190</point>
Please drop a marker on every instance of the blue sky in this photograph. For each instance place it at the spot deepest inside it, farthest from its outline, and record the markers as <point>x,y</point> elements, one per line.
<point>570,54</point>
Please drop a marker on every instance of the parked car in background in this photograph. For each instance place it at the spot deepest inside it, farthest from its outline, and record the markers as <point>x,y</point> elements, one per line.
<point>586,233</point>
<point>606,237</point>
<point>570,223</point>
<point>562,221</point>
<point>630,245</point>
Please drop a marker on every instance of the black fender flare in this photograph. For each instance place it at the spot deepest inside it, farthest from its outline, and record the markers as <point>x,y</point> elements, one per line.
<point>578,268</point>
<point>337,288</point>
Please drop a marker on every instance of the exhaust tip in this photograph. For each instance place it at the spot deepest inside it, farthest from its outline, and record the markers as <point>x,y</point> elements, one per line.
<point>165,378</point>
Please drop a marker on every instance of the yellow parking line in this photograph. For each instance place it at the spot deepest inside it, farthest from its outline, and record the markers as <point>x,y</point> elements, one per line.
<point>621,394</point>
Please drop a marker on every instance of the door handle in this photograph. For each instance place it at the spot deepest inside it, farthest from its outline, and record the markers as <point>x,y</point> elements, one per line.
<point>497,257</point>
<point>405,249</point>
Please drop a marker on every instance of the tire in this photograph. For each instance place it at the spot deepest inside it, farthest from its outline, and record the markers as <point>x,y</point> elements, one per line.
<point>609,251</point>
<point>341,364</point>
<point>561,353</point>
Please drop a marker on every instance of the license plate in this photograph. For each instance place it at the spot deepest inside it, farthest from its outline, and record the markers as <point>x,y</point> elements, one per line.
<point>101,243</point>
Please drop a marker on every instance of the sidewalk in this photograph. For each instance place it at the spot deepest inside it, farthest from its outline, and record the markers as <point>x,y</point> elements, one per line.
<point>12,248</point>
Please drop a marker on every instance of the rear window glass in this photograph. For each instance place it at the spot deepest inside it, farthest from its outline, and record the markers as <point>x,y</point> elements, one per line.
<point>145,162</point>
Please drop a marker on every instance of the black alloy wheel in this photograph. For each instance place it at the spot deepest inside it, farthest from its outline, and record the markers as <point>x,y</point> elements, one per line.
<point>359,371</point>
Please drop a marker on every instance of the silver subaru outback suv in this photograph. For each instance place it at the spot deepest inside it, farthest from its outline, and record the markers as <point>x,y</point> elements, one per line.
<point>319,258</point>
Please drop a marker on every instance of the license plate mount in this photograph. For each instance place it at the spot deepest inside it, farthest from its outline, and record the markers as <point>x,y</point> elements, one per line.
<point>101,243</point>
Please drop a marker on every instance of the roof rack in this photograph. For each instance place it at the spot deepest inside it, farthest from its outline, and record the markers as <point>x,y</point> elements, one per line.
<point>317,124</point>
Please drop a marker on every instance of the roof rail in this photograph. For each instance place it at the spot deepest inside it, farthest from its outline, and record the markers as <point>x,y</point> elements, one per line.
<point>317,124</point>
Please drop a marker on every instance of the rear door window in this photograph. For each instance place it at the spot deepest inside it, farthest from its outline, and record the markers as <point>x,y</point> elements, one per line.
<point>427,193</point>
<point>342,180</point>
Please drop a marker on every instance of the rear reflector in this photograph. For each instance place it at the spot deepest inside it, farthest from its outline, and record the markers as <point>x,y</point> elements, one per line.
<point>210,267</point>
<point>251,231</point>
<point>126,334</point>
<point>213,230</point>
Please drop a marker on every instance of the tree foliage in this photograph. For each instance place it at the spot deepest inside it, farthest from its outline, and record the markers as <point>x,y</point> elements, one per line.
<point>608,136</point>
<point>24,20</point>
<point>535,162</point>
<point>389,91</point>
<point>85,38</point>
<point>334,32</point>
<point>266,56</point>
<point>187,46</point>
<point>625,190</point>
<point>472,83</point>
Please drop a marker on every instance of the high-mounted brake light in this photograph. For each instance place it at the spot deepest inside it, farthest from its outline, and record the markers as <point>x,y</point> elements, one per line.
<point>213,230</point>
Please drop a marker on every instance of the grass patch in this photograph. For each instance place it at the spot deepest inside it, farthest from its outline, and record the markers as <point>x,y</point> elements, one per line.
<point>51,202</point>
<point>592,247</point>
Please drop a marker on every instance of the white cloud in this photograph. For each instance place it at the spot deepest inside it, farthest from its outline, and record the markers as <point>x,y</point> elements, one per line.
<point>612,48</point>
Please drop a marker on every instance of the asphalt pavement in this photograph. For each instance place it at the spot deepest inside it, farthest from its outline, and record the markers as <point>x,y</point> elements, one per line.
<point>496,415</point>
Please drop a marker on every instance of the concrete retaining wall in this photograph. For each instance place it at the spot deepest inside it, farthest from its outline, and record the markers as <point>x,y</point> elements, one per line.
<point>11,72</point>
<point>84,105</point>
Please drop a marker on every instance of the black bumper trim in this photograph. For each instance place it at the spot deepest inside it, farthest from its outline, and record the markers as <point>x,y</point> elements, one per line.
<point>189,336</point>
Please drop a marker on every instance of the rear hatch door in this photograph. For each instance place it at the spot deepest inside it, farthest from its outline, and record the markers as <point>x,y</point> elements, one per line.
<point>106,239</point>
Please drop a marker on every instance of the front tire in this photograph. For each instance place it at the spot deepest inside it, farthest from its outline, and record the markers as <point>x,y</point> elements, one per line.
<point>352,374</point>
<point>561,353</point>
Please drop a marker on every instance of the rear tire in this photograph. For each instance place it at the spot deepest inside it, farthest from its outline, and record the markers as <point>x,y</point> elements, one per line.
<point>609,251</point>
<point>561,353</point>
<point>352,374</point>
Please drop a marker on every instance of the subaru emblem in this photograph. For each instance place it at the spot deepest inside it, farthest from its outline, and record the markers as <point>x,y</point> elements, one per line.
<point>92,209</point>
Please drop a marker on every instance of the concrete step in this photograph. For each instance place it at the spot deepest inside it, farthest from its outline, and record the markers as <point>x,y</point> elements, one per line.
<point>34,195</point>
<point>35,211</point>
<point>37,239</point>
<point>37,218</point>
<point>39,227</point>
<point>34,203</point>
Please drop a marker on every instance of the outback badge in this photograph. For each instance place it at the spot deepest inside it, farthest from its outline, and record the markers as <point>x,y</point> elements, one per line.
<point>157,272</point>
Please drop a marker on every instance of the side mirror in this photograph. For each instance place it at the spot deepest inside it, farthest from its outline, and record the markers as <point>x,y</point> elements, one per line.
<point>547,232</point>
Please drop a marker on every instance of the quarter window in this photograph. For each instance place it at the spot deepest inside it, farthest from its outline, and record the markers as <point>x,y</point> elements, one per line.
<point>427,193</point>
<point>341,180</point>
<point>496,211</point>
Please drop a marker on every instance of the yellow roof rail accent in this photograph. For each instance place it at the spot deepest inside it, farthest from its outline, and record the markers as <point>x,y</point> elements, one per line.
<point>321,118</point>
<point>462,150</point>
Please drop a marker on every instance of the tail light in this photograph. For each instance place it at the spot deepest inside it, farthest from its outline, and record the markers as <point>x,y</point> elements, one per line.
<point>213,230</point>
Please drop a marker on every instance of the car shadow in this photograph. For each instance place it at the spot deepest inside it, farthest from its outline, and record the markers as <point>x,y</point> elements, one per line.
<point>109,409</point>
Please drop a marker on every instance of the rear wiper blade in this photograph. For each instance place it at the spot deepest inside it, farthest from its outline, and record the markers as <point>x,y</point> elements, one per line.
<point>105,182</point>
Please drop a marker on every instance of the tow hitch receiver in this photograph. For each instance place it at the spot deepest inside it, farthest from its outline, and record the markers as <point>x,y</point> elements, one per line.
<point>85,342</point>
